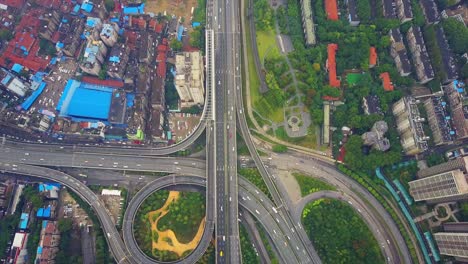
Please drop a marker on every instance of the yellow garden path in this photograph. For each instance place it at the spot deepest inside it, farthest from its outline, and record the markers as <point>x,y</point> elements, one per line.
<point>168,235</point>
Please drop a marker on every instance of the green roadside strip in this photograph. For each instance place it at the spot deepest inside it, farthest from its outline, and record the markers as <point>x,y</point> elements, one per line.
<point>383,198</point>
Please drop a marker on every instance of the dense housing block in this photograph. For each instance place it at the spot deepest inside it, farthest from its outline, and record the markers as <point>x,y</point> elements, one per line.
<point>421,61</point>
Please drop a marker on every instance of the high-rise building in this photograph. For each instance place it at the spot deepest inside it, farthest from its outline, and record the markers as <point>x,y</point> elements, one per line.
<point>460,163</point>
<point>189,78</point>
<point>446,186</point>
<point>452,244</point>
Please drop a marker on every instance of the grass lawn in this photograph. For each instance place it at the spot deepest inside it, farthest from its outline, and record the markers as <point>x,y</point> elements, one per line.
<point>353,78</point>
<point>278,115</point>
<point>266,42</point>
<point>254,82</point>
<point>310,185</point>
<point>308,141</point>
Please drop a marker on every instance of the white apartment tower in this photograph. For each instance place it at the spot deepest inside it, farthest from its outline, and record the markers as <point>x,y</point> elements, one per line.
<point>189,78</point>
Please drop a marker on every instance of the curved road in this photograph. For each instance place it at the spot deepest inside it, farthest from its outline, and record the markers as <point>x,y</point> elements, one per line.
<point>374,225</point>
<point>296,162</point>
<point>121,255</point>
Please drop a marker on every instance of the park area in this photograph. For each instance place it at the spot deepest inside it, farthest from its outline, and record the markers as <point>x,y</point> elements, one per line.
<point>339,234</point>
<point>170,224</point>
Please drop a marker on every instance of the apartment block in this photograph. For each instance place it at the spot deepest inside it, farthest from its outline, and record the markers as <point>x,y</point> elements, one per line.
<point>409,126</point>
<point>307,22</point>
<point>404,10</point>
<point>399,53</point>
<point>452,244</point>
<point>189,78</point>
<point>443,187</point>
<point>457,95</point>
<point>421,61</point>
<point>431,13</point>
<point>448,61</point>
<point>117,63</point>
<point>460,163</point>
<point>93,57</point>
<point>109,34</point>
<point>439,120</point>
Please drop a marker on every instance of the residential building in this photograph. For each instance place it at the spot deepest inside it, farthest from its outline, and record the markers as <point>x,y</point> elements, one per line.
<point>439,120</point>
<point>448,61</point>
<point>421,61</point>
<point>404,10</point>
<point>144,48</point>
<point>189,78</point>
<point>443,187</point>
<point>50,23</point>
<point>460,163</point>
<point>371,105</point>
<point>157,92</point>
<point>93,28</point>
<point>308,22</point>
<point>375,137</point>
<point>459,12</point>
<point>17,254</point>
<point>399,53</point>
<point>352,13</point>
<point>110,34</point>
<point>70,31</point>
<point>389,9</point>
<point>156,125</point>
<point>457,95</point>
<point>13,83</point>
<point>118,59</point>
<point>173,26</point>
<point>452,244</point>
<point>409,126</point>
<point>93,57</point>
<point>431,13</point>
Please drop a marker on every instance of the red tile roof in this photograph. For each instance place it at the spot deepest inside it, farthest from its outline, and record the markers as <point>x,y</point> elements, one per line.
<point>97,81</point>
<point>331,8</point>
<point>372,57</point>
<point>140,22</point>
<point>13,3</point>
<point>334,82</point>
<point>387,82</point>
<point>161,70</point>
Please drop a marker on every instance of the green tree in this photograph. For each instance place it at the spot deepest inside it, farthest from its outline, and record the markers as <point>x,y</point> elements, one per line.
<point>5,34</point>
<point>110,5</point>
<point>279,148</point>
<point>457,35</point>
<point>176,45</point>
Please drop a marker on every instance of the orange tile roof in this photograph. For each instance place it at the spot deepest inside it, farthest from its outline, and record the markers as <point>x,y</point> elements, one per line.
<point>334,82</point>
<point>331,8</point>
<point>372,57</point>
<point>387,82</point>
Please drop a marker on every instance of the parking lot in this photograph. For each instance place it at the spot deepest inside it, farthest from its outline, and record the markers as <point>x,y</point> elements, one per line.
<point>182,124</point>
<point>56,81</point>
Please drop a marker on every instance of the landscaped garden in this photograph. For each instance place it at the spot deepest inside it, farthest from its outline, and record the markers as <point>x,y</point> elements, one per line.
<point>169,224</point>
<point>339,234</point>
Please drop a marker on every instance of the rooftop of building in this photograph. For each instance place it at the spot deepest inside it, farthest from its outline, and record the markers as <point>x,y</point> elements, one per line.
<point>431,13</point>
<point>386,81</point>
<point>332,75</point>
<point>389,9</point>
<point>331,8</point>
<point>407,9</point>
<point>448,60</point>
<point>423,55</point>
<point>372,103</point>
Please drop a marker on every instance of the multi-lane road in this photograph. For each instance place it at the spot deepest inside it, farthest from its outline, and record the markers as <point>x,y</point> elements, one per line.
<point>227,74</point>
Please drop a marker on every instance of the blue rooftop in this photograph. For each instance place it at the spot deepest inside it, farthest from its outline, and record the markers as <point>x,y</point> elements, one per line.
<point>17,68</point>
<point>87,6</point>
<point>133,10</point>
<point>33,97</point>
<point>24,221</point>
<point>179,32</point>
